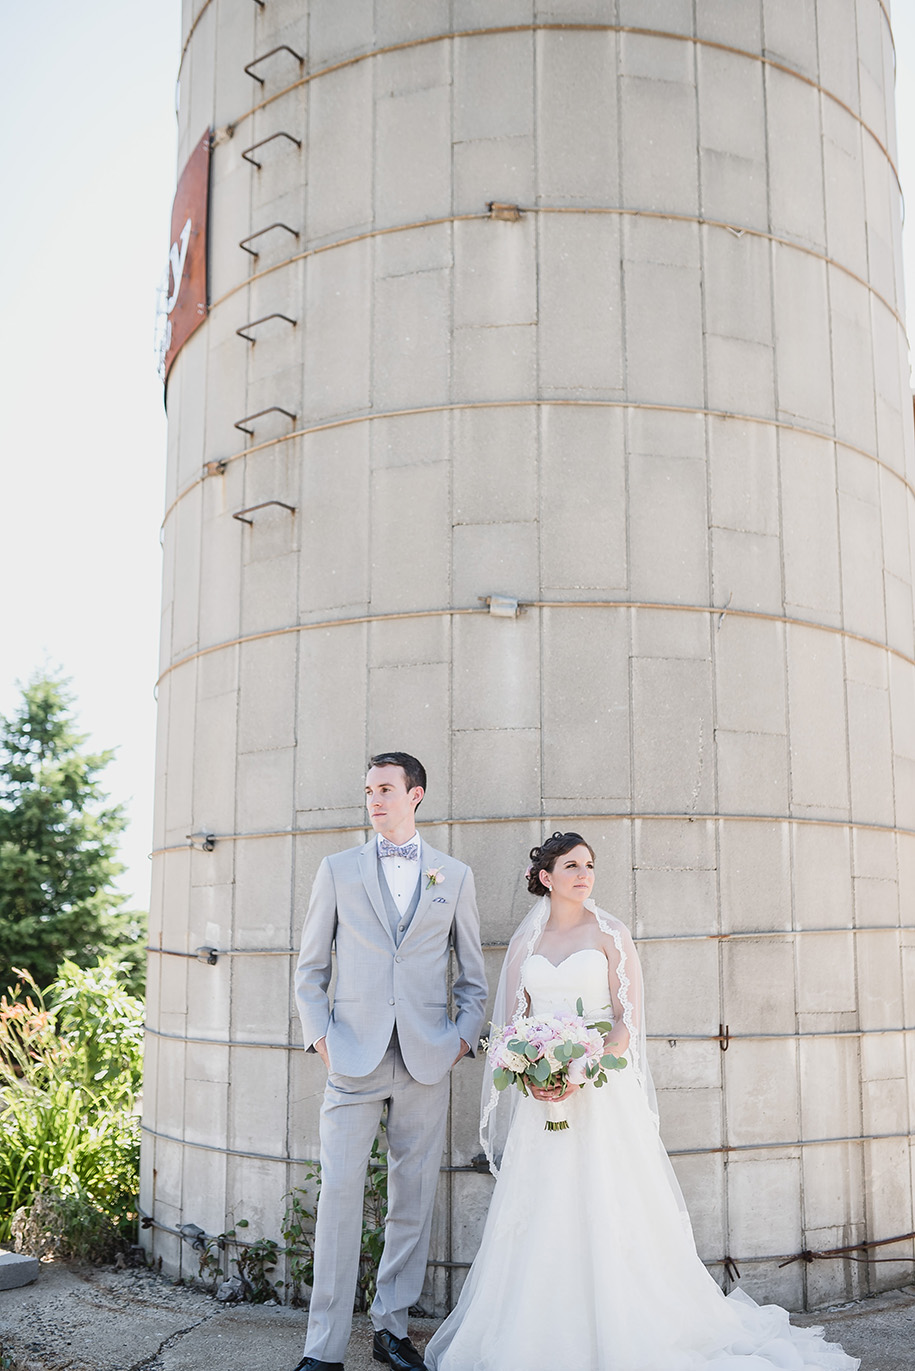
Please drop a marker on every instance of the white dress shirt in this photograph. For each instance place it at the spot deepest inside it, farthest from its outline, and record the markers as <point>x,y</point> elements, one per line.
<point>401,875</point>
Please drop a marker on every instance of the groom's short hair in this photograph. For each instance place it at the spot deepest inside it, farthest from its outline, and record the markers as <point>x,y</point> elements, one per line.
<point>414,771</point>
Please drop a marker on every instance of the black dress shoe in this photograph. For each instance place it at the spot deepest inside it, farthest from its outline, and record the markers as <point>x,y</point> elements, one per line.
<point>397,1352</point>
<point>313,1364</point>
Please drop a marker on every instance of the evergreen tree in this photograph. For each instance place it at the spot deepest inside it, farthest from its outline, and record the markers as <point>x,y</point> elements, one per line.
<point>58,842</point>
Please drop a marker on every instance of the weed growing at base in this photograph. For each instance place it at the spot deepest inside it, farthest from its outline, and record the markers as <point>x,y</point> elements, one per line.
<point>256,1261</point>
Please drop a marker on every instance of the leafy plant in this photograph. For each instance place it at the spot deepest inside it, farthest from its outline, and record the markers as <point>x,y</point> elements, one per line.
<point>69,1083</point>
<point>209,1270</point>
<point>256,1261</point>
<point>374,1214</point>
<point>101,1024</point>
<point>65,1226</point>
<point>298,1233</point>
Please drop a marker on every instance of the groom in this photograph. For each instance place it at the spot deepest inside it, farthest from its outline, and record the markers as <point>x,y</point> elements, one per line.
<point>392,910</point>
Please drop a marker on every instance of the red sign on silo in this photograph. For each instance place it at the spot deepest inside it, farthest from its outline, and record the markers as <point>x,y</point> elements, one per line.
<point>186,299</point>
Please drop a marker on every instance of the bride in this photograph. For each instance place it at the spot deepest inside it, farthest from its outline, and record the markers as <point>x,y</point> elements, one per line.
<point>587,1261</point>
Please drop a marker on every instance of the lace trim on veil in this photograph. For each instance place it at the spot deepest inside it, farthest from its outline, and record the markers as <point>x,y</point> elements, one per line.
<point>489,1103</point>
<point>636,1063</point>
<point>488,1107</point>
<point>624,978</point>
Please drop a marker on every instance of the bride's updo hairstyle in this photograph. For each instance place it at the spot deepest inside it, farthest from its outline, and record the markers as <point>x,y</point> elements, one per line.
<point>544,857</point>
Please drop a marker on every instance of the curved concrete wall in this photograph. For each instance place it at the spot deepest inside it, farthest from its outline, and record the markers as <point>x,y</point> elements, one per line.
<point>667,409</point>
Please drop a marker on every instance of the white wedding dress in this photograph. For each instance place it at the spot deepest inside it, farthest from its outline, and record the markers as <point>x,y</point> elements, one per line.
<point>587,1262</point>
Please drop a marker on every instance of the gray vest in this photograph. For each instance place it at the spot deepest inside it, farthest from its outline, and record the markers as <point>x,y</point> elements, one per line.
<point>399,922</point>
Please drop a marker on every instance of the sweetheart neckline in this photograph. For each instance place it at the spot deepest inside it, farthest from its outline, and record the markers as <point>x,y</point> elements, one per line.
<point>576,953</point>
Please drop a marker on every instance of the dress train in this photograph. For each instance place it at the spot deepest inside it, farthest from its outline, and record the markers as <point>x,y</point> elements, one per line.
<point>587,1261</point>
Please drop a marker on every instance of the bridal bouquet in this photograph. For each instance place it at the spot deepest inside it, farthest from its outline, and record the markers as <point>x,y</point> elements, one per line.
<point>552,1050</point>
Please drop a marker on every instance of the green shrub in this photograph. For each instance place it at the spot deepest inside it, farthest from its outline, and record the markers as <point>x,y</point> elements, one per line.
<point>70,1071</point>
<point>65,1226</point>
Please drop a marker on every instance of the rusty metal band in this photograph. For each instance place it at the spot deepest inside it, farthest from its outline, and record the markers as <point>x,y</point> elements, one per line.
<point>190,33</point>
<point>737,230</point>
<point>722,611</point>
<point>507,29</point>
<point>744,935</point>
<point>221,1240</point>
<point>886,14</point>
<point>367,236</point>
<point>652,1037</point>
<point>779,425</point>
<point>206,4</point>
<point>674,1152</point>
<point>752,935</point>
<point>622,816</point>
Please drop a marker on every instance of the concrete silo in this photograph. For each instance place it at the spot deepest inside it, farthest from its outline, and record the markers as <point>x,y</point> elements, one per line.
<point>552,368</point>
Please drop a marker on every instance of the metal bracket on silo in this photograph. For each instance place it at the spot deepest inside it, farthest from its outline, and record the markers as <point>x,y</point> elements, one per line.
<point>254,146</point>
<point>194,1234</point>
<point>283,47</point>
<point>243,243</point>
<point>249,418</point>
<point>253,323</point>
<point>204,842</point>
<point>498,210</point>
<point>502,606</point>
<point>239,514</point>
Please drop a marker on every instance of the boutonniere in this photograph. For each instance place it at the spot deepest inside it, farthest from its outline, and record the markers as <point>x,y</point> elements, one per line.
<point>434,876</point>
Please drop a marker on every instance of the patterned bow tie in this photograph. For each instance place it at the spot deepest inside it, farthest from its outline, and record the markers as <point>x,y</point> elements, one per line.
<point>409,851</point>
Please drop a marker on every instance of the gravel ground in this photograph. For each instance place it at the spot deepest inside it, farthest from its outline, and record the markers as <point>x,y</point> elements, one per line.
<point>79,1318</point>
<point>86,1319</point>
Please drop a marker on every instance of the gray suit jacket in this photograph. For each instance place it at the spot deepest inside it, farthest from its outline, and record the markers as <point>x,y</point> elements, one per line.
<point>380,985</point>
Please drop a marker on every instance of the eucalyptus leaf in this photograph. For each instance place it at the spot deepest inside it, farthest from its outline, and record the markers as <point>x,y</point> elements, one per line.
<point>611,1063</point>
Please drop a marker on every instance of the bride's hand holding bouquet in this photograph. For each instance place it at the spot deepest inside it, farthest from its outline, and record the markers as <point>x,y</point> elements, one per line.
<point>552,1056</point>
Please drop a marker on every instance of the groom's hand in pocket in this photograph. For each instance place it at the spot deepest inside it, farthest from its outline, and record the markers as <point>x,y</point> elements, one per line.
<point>465,1048</point>
<point>321,1049</point>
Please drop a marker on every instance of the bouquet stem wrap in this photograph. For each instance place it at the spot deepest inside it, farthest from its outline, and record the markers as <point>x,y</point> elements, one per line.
<point>556,1116</point>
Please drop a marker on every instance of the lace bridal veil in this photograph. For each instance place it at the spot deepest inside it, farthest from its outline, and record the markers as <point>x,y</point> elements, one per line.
<point>497,1107</point>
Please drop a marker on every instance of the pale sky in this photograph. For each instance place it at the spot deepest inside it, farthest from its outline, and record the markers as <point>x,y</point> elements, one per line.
<point>88,152</point>
<point>87,148</point>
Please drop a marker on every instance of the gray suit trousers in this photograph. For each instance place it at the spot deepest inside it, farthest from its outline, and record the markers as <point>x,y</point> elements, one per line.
<point>350,1114</point>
